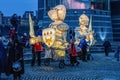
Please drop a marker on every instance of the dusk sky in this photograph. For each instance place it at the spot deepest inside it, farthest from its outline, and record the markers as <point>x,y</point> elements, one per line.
<point>8,7</point>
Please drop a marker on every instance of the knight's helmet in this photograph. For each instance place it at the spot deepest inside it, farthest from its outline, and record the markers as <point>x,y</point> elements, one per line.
<point>83,19</point>
<point>57,13</point>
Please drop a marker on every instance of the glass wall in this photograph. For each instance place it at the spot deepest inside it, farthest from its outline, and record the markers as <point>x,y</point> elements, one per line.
<point>77,4</point>
<point>100,4</point>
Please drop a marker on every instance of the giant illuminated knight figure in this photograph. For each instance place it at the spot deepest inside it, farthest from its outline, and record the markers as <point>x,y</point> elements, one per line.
<point>54,36</point>
<point>82,31</point>
<point>57,14</point>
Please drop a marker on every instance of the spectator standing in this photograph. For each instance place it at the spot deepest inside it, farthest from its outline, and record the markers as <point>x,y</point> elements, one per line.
<point>3,58</point>
<point>36,51</point>
<point>72,53</point>
<point>25,40</point>
<point>83,45</point>
<point>14,21</point>
<point>15,62</point>
<point>12,33</point>
<point>107,47</point>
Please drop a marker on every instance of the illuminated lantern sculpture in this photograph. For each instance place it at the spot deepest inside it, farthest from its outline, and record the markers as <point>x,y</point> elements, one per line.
<point>54,36</point>
<point>57,14</point>
<point>82,31</point>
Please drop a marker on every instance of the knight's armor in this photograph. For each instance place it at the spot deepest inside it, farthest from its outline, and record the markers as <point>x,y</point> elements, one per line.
<point>82,31</point>
<point>55,35</point>
<point>60,28</point>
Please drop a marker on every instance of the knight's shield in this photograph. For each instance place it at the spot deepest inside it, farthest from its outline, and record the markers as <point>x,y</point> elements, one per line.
<point>48,36</point>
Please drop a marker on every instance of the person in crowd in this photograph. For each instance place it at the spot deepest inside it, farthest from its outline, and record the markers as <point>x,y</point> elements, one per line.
<point>5,44</point>
<point>25,40</point>
<point>36,51</point>
<point>15,62</point>
<point>14,21</point>
<point>39,32</point>
<point>12,33</point>
<point>3,58</point>
<point>72,53</point>
<point>117,53</point>
<point>83,45</point>
<point>107,47</point>
<point>10,59</point>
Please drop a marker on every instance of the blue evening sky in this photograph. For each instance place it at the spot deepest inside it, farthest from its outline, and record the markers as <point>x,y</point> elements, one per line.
<point>9,7</point>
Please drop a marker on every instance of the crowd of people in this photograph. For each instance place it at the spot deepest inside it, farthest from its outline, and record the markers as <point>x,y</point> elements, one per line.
<point>11,51</point>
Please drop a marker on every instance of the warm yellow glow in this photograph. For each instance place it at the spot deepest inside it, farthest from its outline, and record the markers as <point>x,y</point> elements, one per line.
<point>48,36</point>
<point>49,40</point>
<point>33,38</point>
<point>31,27</point>
<point>84,31</point>
<point>53,15</point>
<point>60,53</point>
<point>32,41</point>
<point>57,14</point>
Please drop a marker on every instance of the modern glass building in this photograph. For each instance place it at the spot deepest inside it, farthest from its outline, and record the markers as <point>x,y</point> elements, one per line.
<point>98,9</point>
<point>115,16</point>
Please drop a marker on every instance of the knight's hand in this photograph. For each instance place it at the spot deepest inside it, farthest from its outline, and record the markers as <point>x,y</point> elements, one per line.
<point>32,41</point>
<point>66,44</point>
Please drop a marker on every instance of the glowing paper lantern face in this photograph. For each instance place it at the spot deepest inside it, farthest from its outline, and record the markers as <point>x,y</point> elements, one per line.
<point>48,36</point>
<point>83,19</point>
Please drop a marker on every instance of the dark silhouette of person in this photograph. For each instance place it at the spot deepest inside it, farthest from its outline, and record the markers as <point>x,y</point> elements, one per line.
<point>107,47</point>
<point>15,55</point>
<point>14,21</point>
<point>72,53</point>
<point>3,58</point>
<point>83,45</point>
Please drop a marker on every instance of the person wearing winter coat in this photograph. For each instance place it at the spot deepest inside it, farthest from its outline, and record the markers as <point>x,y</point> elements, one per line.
<point>36,52</point>
<point>72,53</point>
<point>83,45</point>
<point>3,58</point>
<point>15,21</point>
<point>107,47</point>
<point>15,57</point>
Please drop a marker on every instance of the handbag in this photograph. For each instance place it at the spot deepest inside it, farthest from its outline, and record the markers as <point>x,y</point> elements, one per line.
<point>16,66</point>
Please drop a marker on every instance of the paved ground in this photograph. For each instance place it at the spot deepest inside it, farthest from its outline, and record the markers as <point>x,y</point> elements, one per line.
<point>101,68</point>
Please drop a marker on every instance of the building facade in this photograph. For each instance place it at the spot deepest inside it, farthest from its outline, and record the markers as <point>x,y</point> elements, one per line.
<point>98,9</point>
<point>115,16</point>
